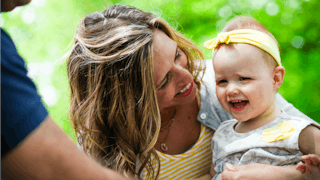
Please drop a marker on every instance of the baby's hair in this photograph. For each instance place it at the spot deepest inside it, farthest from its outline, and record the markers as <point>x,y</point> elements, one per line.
<point>246,22</point>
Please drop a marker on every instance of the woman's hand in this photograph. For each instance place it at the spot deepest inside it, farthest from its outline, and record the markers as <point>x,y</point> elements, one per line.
<point>311,168</point>
<point>261,171</point>
<point>205,177</point>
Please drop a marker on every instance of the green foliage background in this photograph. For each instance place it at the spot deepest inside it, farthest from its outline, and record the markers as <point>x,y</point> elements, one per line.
<point>43,30</point>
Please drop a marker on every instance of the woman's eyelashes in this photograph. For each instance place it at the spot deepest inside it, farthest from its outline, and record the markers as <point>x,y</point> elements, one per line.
<point>177,54</point>
<point>168,76</point>
<point>166,80</point>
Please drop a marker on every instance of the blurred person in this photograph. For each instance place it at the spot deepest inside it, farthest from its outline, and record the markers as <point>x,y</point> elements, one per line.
<point>33,146</point>
<point>248,73</point>
<point>138,102</point>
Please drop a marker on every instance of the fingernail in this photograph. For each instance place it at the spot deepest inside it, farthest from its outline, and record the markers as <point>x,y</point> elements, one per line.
<point>310,159</point>
<point>301,167</point>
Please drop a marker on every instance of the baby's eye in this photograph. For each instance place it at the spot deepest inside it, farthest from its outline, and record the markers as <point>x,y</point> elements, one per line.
<point>222,81</point>
<point>243,78</point>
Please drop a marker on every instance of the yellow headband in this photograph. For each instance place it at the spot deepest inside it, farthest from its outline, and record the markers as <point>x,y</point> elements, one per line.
<point>248,36</point>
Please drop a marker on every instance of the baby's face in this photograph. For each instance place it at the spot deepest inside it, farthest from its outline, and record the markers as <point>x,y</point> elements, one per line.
<point>244,81</point>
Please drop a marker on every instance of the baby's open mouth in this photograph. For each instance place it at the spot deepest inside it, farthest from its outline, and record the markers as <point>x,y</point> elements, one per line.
<point>238,104</point>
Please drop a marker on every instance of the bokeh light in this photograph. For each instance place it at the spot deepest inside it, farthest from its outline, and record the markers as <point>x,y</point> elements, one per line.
<point>49,95</point>
<point>225,12</point>
<point>38,3</point>
<point>286,18</point>
<point>297,42</point>
<point>294,4</point>
<point>28,16</point>
<point>272,8</point>
<point>257,4</point>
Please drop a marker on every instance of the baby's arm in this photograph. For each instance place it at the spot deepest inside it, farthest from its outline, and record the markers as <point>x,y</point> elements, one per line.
<point>309,143</point>
<point>309,140</point>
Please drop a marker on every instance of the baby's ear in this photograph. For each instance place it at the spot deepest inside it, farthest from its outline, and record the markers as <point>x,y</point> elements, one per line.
<point>278,75</point>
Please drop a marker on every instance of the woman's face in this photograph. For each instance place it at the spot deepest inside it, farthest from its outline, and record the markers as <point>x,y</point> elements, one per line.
<point>174,83</point>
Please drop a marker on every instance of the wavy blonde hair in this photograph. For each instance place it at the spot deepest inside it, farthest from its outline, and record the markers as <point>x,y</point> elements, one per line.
<point>114,107</point>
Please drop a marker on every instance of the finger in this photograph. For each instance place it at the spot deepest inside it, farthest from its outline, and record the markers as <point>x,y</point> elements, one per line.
<point>307,159</point>
<point>301,167</point>
<point>315,160</point>
<point>230,167</point>
<point>309,156</point>
<point>228,175</point>
<point>311,159</point>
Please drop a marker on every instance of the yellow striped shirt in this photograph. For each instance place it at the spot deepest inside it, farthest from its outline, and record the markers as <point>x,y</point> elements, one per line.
<point>194,163</point>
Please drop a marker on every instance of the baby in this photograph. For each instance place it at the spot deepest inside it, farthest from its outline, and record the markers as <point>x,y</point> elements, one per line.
<point>248,72</point>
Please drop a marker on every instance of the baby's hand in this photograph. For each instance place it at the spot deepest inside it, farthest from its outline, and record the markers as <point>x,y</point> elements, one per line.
<point>311,168</point>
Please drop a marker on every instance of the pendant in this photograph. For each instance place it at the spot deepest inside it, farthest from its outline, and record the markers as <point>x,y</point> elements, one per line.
<point>164,147</point>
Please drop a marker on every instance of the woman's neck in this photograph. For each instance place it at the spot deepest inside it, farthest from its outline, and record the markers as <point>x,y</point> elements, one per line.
<point>184,131</point>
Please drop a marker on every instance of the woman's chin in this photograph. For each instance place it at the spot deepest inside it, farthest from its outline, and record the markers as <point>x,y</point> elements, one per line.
<point>188,98</point>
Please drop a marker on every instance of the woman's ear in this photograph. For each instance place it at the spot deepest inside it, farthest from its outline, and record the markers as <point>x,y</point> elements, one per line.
<point>278,75</point>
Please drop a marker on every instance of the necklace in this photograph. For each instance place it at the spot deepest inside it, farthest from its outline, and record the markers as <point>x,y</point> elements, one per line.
<point>163,145</point>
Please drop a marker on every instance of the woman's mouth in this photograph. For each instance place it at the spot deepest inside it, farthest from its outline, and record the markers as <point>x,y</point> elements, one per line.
<point>238,105</point>
<point>185,91</point>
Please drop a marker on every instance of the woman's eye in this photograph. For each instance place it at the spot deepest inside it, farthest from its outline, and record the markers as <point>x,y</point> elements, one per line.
<point>177,55</point>
<point>166,80</point>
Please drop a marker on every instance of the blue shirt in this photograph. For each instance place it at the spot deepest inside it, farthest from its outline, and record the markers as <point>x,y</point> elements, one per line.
<point>21,107</point>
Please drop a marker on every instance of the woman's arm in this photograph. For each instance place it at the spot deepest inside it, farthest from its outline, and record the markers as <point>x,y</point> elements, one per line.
<point>208,176</point>
<point>284,105</point>
<point>268,172</point>
<point>261,171</point>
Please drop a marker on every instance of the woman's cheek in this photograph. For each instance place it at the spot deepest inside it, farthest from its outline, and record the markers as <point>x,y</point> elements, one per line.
<point>164,99</point>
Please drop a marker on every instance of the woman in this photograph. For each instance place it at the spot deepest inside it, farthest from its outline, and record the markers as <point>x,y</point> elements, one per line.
<point>137,97</point>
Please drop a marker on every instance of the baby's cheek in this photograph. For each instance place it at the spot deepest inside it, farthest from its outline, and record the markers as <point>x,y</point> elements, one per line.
<point>221,96</point>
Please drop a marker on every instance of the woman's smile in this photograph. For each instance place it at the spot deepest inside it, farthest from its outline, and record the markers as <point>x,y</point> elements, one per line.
<point>185,91</point>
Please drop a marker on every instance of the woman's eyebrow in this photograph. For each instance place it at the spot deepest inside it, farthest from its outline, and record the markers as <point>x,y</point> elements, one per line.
<point>174,59</point>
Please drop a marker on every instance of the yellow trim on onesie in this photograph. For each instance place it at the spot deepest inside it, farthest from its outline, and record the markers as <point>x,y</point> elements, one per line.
<point>248,36</point>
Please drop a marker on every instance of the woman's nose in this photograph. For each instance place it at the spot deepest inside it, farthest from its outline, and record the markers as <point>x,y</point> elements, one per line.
<point>182,75</point>
<point>232,90</point>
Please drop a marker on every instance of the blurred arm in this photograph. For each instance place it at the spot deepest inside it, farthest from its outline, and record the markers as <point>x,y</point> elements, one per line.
<point>48,153</point>
<point>284,105</point>
<point>261,171</point>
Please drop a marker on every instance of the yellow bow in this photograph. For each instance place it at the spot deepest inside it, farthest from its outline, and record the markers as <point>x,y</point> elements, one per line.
<point>221,38</point>
<point>248,36</point>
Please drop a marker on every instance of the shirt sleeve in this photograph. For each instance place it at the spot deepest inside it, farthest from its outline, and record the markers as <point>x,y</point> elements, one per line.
<point>287,107</point>
<point>21,107</point>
